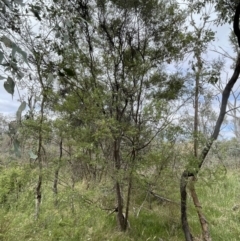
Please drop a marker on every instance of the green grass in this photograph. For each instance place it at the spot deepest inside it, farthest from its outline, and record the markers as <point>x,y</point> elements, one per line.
<point>219,196</point>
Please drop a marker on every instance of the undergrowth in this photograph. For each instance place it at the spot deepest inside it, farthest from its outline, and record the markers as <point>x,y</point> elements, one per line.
<point>85,212</point>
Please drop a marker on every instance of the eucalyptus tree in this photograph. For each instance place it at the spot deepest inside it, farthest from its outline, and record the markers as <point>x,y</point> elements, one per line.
<point>112,77</point>
<point>225,95</point>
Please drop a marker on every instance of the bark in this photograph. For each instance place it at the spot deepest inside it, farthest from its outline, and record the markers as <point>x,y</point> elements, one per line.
<point>183,192</point>
<point>40,136</point>
<point>128,201</point>
<point>38,196</point>
<point>196,104</point>
<point>55,182</point>
<point>120,216</point>
<point>39,183</point>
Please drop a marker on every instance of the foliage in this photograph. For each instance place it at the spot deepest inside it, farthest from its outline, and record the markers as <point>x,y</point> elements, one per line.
<point>108,123</point>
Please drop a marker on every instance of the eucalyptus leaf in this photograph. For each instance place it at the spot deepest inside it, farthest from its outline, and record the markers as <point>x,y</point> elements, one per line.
<point>24,55</point>
<point>57,35</point>
<point>50,78</point>
<point>7,42</point>
<point>32,155</point>
<point>9,85</point>
<point>65,38</point>
<point>21,108</point>
<point>68,23</point>
<point>2,77</point>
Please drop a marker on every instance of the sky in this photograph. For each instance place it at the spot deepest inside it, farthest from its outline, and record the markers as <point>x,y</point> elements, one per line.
<point>8,104</point>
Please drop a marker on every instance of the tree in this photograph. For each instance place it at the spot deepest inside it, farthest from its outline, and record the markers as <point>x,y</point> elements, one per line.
<point>225,95</point>
<point>114,88</point>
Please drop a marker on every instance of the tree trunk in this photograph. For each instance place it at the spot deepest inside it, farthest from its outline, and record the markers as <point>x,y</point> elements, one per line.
<point>38,196</point>
<point>55,182</point>
<point>120,216</point>
<point>183,192</point>
<point>39,153</point>
<point>204,224</point>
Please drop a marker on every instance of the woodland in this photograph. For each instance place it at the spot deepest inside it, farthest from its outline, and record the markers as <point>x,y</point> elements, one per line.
<point>118,134</point>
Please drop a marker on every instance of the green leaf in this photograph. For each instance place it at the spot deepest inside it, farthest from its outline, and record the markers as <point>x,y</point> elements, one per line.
<point>57,35</point>
<point>1,77</point>
<point>9,85</point>
<point>68,23</point>
<point>50,78</point>
<point>65,38</point>
<point>24,55</point>
<point>21,108</point>
<point>7,42</point>
<point>32,155</point>
<point>69,72</point>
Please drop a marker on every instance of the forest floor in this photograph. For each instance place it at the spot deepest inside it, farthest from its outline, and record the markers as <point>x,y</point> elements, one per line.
<point>85,212</point>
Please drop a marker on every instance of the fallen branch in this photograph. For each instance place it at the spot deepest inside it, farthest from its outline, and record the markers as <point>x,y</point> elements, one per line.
<point>163,199</point>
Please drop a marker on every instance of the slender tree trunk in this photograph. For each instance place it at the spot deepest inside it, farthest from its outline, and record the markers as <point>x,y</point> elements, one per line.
<point>55,182</point>
<point>184,220</point>
<point>133,156</point>
<point>128,200</point>
<point>120,216</point>
<point>202,220</point>
<point>196,103</point>
<point>38,195</point>
<point>39,183</point>
<point>204,224</point>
